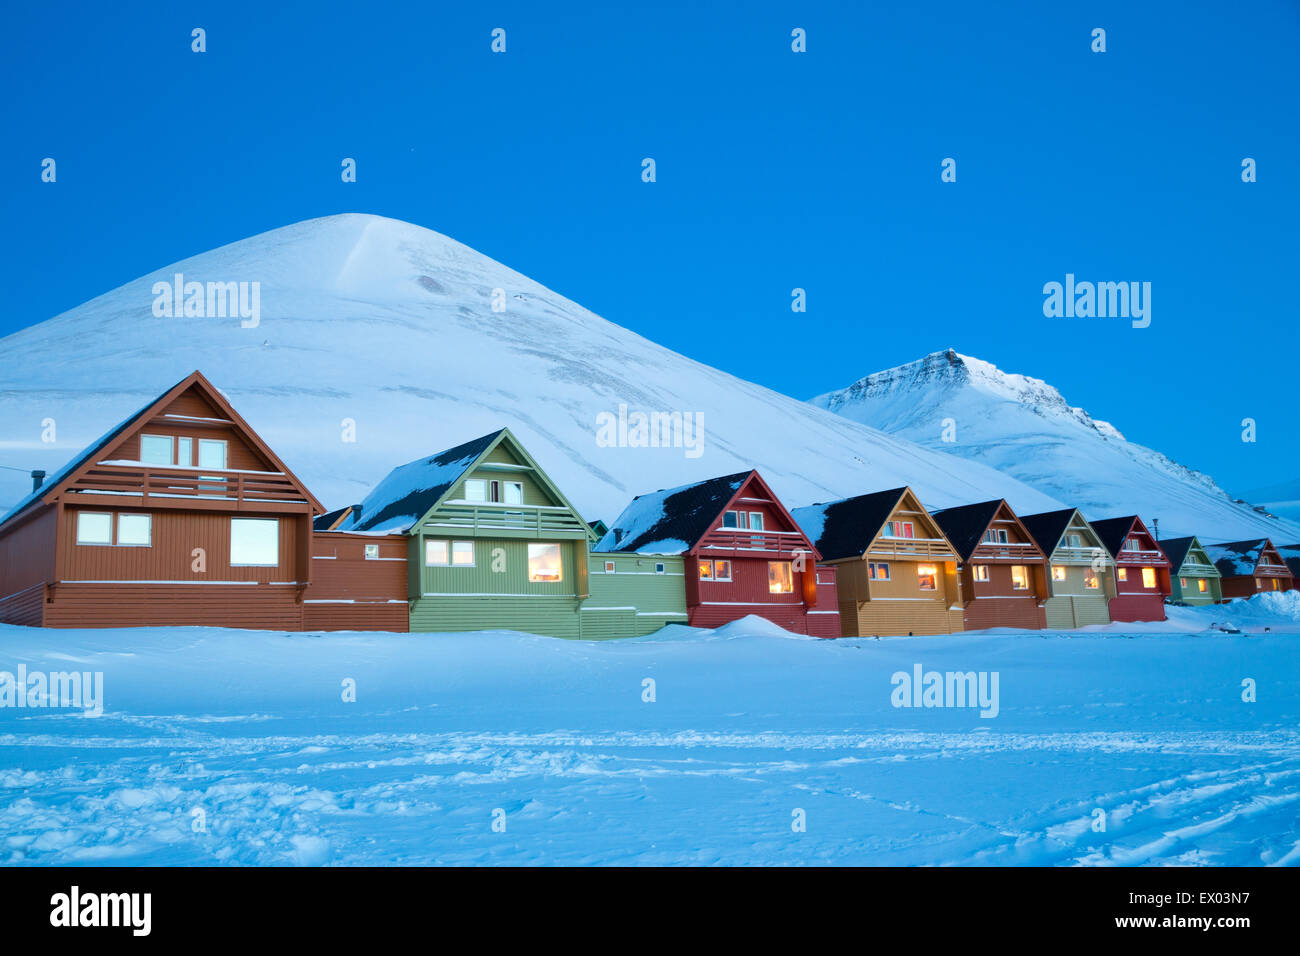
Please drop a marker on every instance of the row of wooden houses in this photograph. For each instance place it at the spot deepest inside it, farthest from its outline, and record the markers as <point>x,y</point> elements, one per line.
<point>182,514</point>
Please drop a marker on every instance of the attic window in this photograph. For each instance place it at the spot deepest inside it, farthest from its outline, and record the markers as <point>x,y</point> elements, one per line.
<point>899,529</point>
<point>157,450</point>
<point>733,519</point>
<point>1073,540</point>
<point>995,536</point>
<point>756,521</point>
<point>212,453</point>
<point>1132,544</point>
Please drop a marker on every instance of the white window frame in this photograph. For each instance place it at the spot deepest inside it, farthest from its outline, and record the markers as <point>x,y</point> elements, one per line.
<point>188,459</point>
<point>717,574</point>
<point>479,484</point>
<point>225,453</point>
<point>933,576</point>
<point>790,571</point>
<point>559,549</point>
<point>371,552</point>
<point>706,570</point>
<point>148,524</point>
<point>659,567</point>
<point>1058,569</point>
<point>171,454</point>
<point>611,567</point>
<point>473,563</point>
<point>759,516</point>
<point>519,485</point>
<point>980,572</point>
<point>446,553</point>
<point>878,571</point>
<point>95,544</point>
<point>255,564</point>
<point>1024,568</point>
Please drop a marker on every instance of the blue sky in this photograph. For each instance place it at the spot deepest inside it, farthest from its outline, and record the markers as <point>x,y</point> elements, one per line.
<point>775,171</point>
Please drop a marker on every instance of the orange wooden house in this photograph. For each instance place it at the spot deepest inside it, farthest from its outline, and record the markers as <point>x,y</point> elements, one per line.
<point>180,514</point>
<point>1003,571</point>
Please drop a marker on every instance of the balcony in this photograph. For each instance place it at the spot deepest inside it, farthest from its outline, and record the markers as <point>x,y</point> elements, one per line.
<point>107,484</point>
<point>509,520</point>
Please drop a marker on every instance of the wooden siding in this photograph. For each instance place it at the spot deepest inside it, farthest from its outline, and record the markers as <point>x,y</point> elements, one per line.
<point>27,556</point>
<point>256,606</point>
<point>1072,603</point>
<point>634,599</point>
<point>26,607</point>
<point>350,592</point>
<point>897,606</point>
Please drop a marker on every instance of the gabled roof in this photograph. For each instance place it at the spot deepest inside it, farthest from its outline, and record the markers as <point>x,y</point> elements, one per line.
<point>1113,531</point>
<point>89,455</point>
<point>1176,549</point>
<point>846,528</point>
<point>965,525</point>
<point>1291,555</point>
<point>1237,558</point>
<point>409,492</point>
<point>330,519</point>
<point>672,520</point>
<point>1048,527</point>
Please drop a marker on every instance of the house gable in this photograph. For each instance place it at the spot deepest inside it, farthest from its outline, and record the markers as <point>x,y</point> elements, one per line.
<point>927,538</point>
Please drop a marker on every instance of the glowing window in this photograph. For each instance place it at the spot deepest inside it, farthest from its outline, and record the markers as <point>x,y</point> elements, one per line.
<point>462,554</point>
<point>1148,577</point>
<point>706,570</point>
<point>1019,577</point>
<point>780,577</point>
<point>1058,573</point>
<point>722,570</point>
<point>981,572</point>
<point>544,563</point>
<point>926,576</point>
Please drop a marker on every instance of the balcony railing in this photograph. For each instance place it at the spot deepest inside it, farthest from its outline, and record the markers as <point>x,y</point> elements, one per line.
<point>903,548</point>
<point>212,484</point>
<point>476,518</point>
<point>1023,550</point>
<point>739,539</point>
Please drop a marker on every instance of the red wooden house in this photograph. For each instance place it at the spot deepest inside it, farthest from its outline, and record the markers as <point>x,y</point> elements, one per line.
<point>1291,555</point>
<point>744,553</point>
<point>1141,569</point>
<point>1250,567</point>
<point>179,515</point>
<point>1003,570</point>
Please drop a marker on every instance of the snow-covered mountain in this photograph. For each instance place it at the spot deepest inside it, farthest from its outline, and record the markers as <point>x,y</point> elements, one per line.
<point>391,327</point>
<point>1024,427</point>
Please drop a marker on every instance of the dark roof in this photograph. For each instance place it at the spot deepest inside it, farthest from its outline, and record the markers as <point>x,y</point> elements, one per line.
<point>323,522</point>
<point>965,525</point>
<point>1236,558</point>
<point>1176,549</point>
<point>846,528</point>
<point>1113,531</point>
<point>1046,527</point>
<point>672,516</point>
<point>408,492</point>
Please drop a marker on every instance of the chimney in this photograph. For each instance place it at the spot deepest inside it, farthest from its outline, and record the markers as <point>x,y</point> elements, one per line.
<point>1155,527</point>
<point>38,478</point>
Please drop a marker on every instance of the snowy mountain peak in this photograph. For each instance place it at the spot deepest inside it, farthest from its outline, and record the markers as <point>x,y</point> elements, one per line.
<point>948,371</point>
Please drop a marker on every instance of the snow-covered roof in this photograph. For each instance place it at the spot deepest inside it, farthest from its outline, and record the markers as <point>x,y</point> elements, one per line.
<point>964,526</point>
<point>1236,558</point>
<point>672,520</point>
<point>408,492</point>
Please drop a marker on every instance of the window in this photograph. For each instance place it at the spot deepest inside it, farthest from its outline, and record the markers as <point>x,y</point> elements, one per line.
<point>462,554</point>
<point>512,492</point>
<point>980,572</point>
<point>94,528</point>
<point>659,567</point>
<point>1072,540</point>
<point>926,575</point>
<point>731,519</point>
<point>156,449</point>
<point>134,531</point>
<point>610,567</point>
<point>1200,585</point>
<point>1148,577</point>
<point>722,570</point>
<point>1058,573</point>
<point>437,554</point>
<point>254,542</point>
<point>1259,584</point>
<point>372,552</point>
<point>1182,582</point>
<point>544,563</point>
<point>1019,577</point>
<point>780,577</point>
<point>899,529</point>
<point>185,451</point>
<point>706,570</point>
<point>755,521</point>
<point>995,536</point>
<point>1121,573</point>
<point>878,571</point>
<point>212,453</point>
<point>475,489</point>
<point>1132,544</point>
<point>1090,580</point>
<point>1277,585</point>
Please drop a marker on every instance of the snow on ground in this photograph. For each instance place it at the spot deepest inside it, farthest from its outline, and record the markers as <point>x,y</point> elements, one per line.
<point>749,725</point>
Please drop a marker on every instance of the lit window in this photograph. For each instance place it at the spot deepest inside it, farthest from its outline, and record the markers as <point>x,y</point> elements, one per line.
<point>156,449</point>
<point>134,531</point>
<point>544,563</point>
<point>1058,573</point>
<point>878,571</point>
<point>1276,584</point>
<point>1259,584</point>
<point>1121,573</point>
<point>899,529</point>
<point>722,570</point>
<point>94,528</point>
<point>1182,582</point>
<point>1200,585</point>
<point>212,453</point>
<point>1148,577</point>
<point>437,554</point>
<point>1019,577</point>
<point>609,567</point>
<point>462,554</point>
<point>780,577</point>
<point>981,572</point>
<point>755,521</point>
<point>254,542</point>
<point>926,576</point>
<point>706,570</point>
<point>185,451</point>
<point>1090,580</point>
<point>475,489</point>
<point>372,552</point>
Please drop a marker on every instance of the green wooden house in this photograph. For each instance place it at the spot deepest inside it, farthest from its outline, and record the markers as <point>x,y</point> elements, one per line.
<point>1081,575</point>
<point>493,543</point>
<point>1195,578</point>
